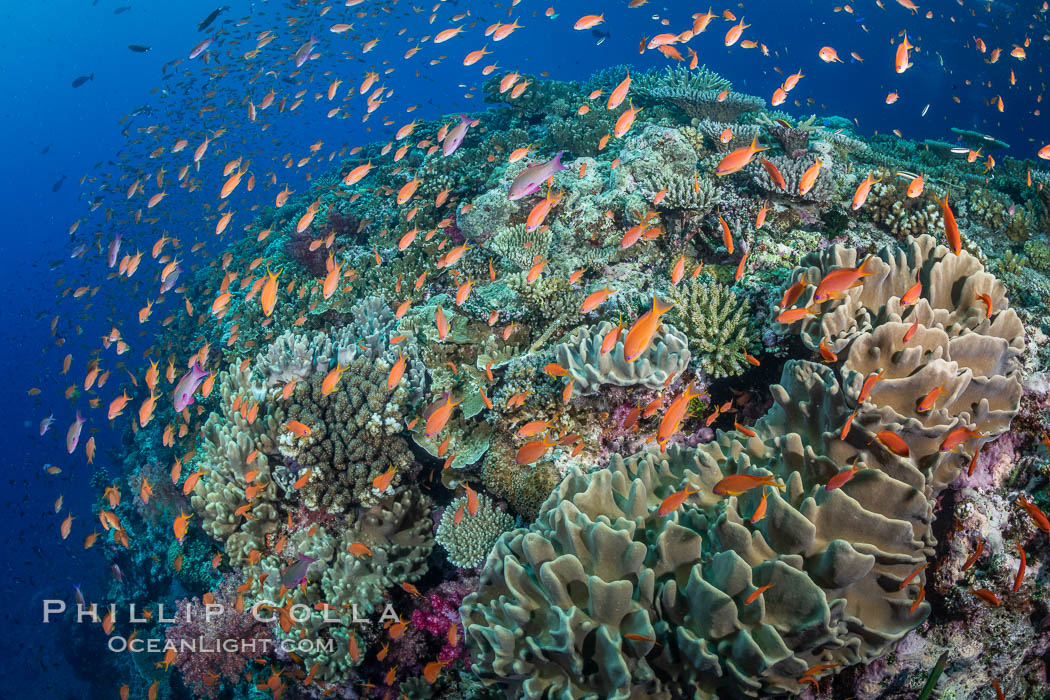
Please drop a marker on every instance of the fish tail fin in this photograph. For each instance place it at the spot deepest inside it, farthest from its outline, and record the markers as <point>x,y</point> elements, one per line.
<point>557,162</point>
<point>661,307</point>
<point>863,268</point>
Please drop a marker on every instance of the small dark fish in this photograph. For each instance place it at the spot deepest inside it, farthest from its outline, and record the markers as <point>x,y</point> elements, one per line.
<point>121,10</point>
<point>295,574</point>
<point>600,36</point>
<point>83,79</point>
<point>139,48</point>
<point>45,150</point>
<point>58,185</point>
<point>206,22</point>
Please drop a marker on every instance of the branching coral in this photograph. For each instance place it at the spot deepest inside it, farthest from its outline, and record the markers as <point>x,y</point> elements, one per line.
<point>698,195</point>
<point>705,104</point>
<point>792,169</point>
<point>354,434</point>
<point>469,541</point>
<point>678,77</point>
<point>717,325</point>
<point>740,135</point>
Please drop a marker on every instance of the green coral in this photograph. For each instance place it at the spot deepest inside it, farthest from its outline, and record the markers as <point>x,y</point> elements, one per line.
<point>678,78</point>
<point>469,542</point>
<point>717,324</point>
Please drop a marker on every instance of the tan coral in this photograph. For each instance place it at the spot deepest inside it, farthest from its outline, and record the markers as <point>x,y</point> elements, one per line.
<point>956,344</point>
<point>605,596</point>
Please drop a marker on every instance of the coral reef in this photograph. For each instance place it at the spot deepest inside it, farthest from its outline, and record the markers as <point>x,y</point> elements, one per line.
<point>329,449</point>
<point>748,590</point>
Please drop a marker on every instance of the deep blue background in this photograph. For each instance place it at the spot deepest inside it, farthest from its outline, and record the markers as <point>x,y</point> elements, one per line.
<point>49,43</point>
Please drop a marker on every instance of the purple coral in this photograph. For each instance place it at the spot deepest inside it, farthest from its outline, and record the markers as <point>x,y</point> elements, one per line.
<point>298,245</point>
<point>439,611</point>
<point>206,656</point>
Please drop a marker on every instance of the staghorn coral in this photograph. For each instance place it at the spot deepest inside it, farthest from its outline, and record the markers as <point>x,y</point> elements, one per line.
<point>468,542</point>
<point>687,193</point>
<point>608,598</point>
<point>677,77</point>
<point>717,325</point>
<point>581,354</point>
<point>792,169</point>
<point>704,104</point>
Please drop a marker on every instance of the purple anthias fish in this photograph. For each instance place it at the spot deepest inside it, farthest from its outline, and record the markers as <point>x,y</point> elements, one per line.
<point>533,177</point>
<point>304,51</point>
<point>114,249</point>
<point>73,434</point>
<point>455,135</point>
<point>188,385</point>
<point>170,280</point>
<point>296,573</point>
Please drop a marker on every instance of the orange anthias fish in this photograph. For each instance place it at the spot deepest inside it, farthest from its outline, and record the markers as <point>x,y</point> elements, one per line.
<point>533,451</point>
<point>181,525</point>
<point>439,416</point>
<point>739,483</point>
<point>928,401</point>
<point>673,501</point>
<point>673,416</point>
<point>836,282</point>
<point>843,477</point>
<point>951,229</point>
<point>1041,521</point>
<point>382,482</point>
<point>863,189</point>
<point>957,437</point>
<point>756,593</point>
<point>641,333</point>
<point>739,159</point>
<point>893,442</point>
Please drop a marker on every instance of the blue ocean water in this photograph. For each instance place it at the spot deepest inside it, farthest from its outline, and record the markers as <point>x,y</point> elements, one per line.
<point>65,146</point>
